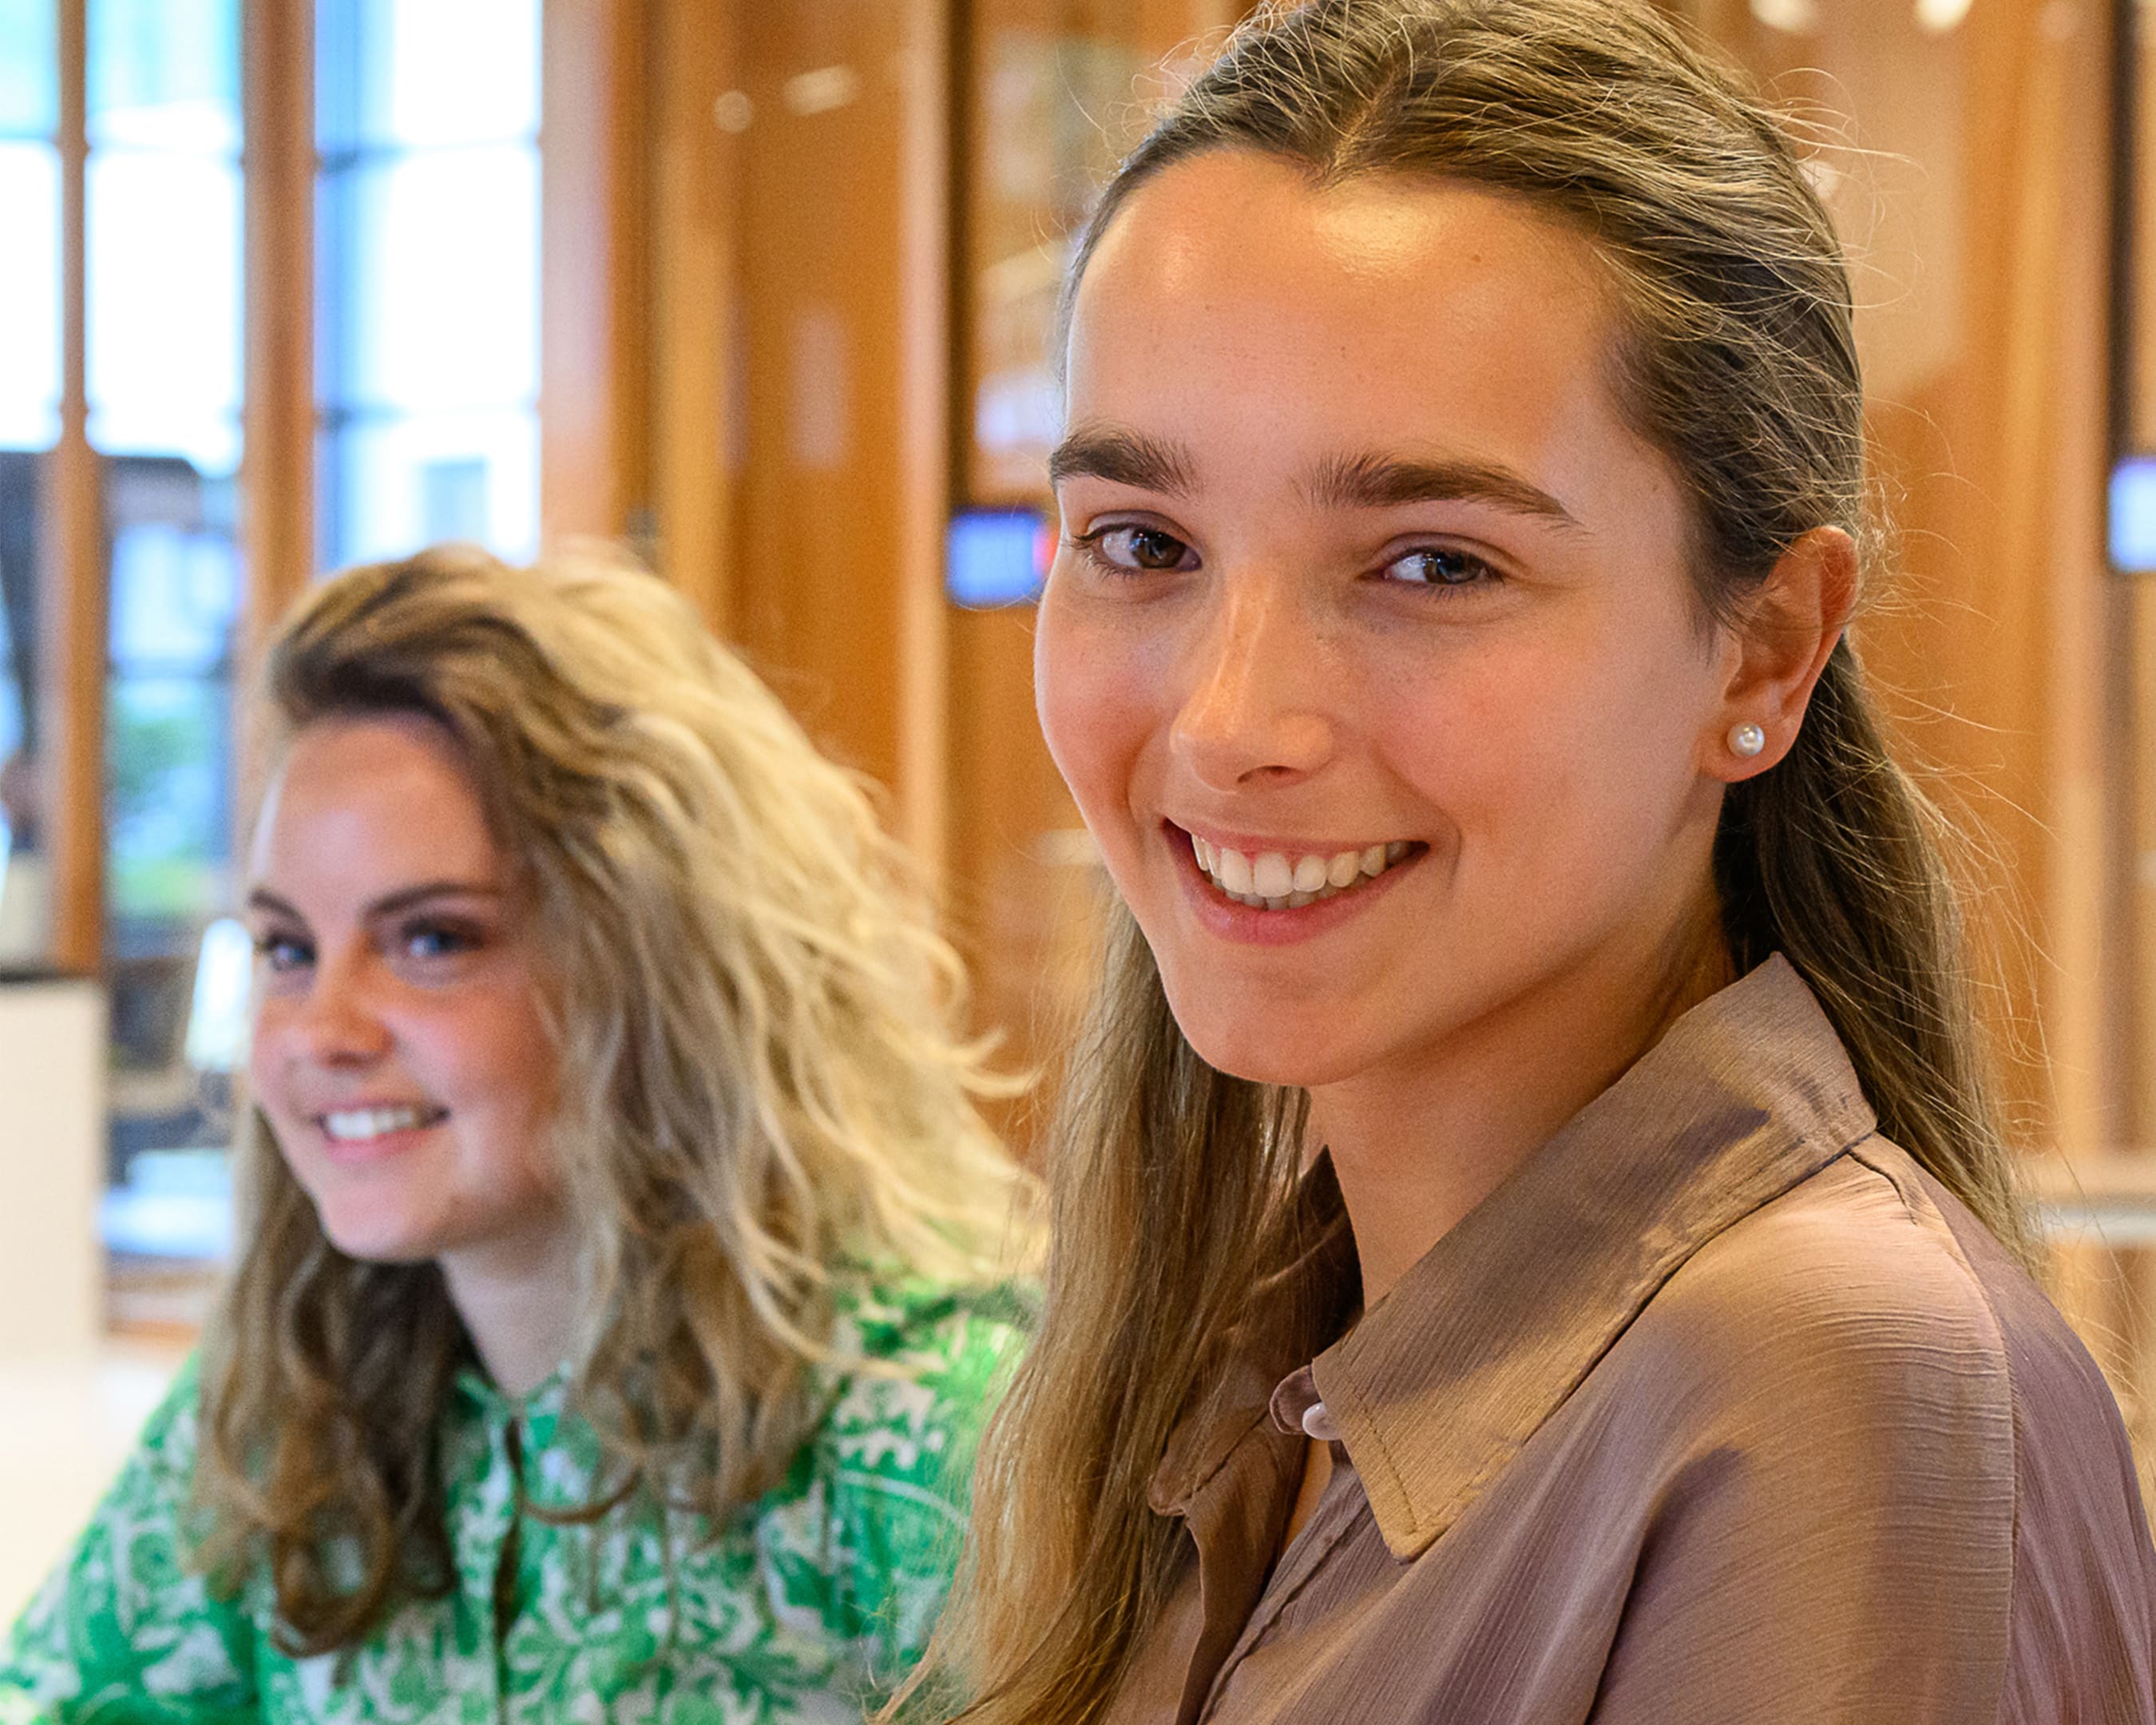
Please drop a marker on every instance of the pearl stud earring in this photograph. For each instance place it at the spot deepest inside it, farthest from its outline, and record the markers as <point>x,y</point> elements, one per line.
<point>1746,740</point>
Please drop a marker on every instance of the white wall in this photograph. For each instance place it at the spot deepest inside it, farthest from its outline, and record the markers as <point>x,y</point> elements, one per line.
<point>68,1424</point>
<point>70,1400</point>
<point>52,1168</point>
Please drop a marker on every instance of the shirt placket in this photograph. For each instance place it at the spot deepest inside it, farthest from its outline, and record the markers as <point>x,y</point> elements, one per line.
<point>1340,1511</point>
<point>1234,1519</point>
<point>486,1535</point>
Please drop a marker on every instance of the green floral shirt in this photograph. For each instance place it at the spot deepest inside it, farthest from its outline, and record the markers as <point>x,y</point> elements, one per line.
<point>808,1607</point>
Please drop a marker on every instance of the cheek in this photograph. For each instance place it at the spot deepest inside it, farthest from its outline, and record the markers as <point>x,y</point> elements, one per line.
<point>1091,705</point>
<point>1550,755</point>
<point>494,1060</point>
<point>268,1064</point>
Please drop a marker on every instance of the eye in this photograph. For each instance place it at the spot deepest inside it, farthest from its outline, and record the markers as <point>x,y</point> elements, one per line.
<point>1138,548</point>
<point>434,940</point>
<point>282,952</point>
<point>1439,566</point>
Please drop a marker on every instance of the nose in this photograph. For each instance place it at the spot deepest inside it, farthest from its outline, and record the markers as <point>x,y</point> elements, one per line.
<point>336,1022</point>
<point>1257,710</point>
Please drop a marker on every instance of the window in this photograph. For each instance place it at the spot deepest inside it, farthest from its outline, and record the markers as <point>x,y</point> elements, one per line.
<point>29,429</point>
<point>162,205</point>
<point>123,299</point>
<point>162,319</point>
<point>428,345</point>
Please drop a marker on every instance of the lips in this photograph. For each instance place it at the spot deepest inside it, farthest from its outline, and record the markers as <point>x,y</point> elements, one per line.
<point>1282,879</point>
<point>369,1125</point>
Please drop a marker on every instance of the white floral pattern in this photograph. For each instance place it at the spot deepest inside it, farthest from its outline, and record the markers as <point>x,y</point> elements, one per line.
<point>806,1609</point>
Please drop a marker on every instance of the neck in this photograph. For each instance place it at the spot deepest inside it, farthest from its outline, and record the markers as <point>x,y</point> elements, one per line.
<point>519,1300</point>
<point>1417,1145</point>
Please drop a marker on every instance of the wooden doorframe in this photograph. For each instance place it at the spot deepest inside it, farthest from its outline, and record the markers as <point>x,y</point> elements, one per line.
<point>277,463</point>
<point>75,625</point>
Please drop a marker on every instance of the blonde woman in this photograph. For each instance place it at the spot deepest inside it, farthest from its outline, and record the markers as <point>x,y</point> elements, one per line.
<point>617,1308</point>
<point>1532,1243</point>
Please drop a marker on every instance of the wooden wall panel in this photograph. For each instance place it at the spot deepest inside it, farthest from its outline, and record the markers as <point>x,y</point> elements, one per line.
<point>594,365</point>
<point>75,626</point>
<point>698,116</point>
<point>839,504</point>
<point>277,463</point>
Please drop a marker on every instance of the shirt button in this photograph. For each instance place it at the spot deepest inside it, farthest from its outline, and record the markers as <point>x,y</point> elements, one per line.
<point>1318,1423</point>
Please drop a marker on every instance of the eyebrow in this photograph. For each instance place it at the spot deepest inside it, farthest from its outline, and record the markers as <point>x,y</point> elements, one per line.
<point>404,899</point>
<point>1122,458</point>
<point>1130,458</point>
<point>1374,481</point>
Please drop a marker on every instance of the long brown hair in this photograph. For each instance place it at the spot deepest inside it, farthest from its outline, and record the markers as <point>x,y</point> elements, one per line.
<point>1736,357</point>
<point>760,1086</point>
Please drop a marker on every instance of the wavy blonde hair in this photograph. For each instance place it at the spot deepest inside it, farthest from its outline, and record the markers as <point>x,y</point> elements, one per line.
<point>1170,1181</point>
<point>761,1088</point>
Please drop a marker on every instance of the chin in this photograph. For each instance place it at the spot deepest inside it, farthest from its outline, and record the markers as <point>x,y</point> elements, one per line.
<point>1288,1050</point>
<point>376,1239</point>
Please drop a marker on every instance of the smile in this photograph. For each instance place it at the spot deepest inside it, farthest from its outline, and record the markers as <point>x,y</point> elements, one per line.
<point>354,1126</point>
<point>1275,880</point>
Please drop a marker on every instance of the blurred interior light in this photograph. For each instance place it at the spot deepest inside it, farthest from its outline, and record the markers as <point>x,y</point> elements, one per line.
<point>1941,16</point>
<point>2132,525</point>
<point>820,91</point>
<point>1799,18</point>
<point>217,1016</point>
<point>998,556</point>
<point>734,112</point>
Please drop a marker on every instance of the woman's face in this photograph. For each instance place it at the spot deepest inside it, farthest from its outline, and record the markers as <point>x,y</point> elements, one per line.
<point>1366,591</point>
<point>400,1050</point>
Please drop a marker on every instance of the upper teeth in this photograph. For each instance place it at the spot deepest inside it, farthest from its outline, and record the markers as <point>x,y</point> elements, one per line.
<point>1275,881</point>
<point>374,1122</point>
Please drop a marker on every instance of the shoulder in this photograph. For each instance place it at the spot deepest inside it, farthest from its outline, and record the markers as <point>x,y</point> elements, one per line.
<point>128,1612</point>
<point>1816,1412</point>
<point>1832,1359</point>
<point>915,1368</point>
<point>157,1478</point>
<point>1849,1290</point>
<point>915,1373</point>
<point>171,1435</point>
<point>1855,1398</point>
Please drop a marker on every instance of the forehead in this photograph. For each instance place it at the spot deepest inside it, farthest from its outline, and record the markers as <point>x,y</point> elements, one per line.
<point>362,806</point>
<point>1233,290</point>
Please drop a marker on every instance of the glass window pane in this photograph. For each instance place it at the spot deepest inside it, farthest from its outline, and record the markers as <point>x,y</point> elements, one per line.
<point>396,484</point>
<point>175,601</point>
<point>25,882</point>
<point>175,593</point>
<point>428,274</point>
<point>165,74</point>
<point>30,296</point>
<point>169,801</point>
<point>164,289</point>
<point>442,258</point>
<point>163,214</point>
<point>405,73</point>
<point>30,76</point>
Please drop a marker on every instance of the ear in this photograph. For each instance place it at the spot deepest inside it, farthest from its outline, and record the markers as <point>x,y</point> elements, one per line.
<point>1776,649</point>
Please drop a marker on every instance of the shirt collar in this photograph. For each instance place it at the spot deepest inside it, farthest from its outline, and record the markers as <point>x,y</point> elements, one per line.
<point>494,1406</point>
<point>1315,1296</point>
<point>1491,1330</point>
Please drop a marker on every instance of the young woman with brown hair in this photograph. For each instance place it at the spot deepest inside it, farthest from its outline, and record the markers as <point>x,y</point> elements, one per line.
<point>1531,1240</point>
<point>618,1297</point>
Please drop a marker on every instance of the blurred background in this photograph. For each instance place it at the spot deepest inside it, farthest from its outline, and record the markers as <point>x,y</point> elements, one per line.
<point>763,290</point>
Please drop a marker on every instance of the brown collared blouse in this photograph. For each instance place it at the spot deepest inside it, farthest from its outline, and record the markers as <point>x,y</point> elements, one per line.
<point>1719,1410</point>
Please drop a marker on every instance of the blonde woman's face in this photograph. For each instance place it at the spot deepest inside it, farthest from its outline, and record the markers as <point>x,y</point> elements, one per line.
<point>400,1052</point>
<point>1370,608</point>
